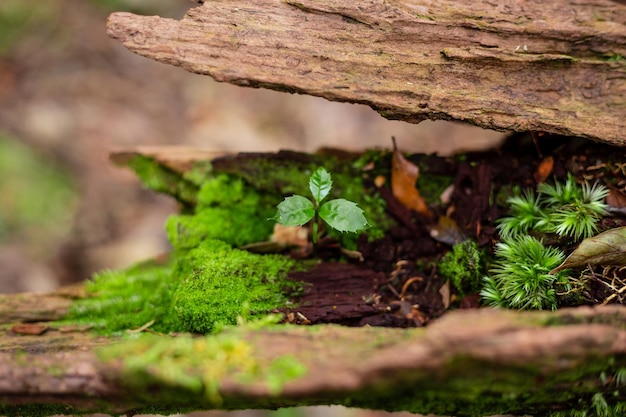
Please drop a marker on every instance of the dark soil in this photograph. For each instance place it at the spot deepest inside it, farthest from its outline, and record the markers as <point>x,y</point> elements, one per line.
<point>397,283</point>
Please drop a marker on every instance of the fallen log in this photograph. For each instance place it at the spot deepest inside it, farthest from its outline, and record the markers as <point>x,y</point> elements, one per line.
<point>467,363</point>
<point>516,66</point>
<point>478,362</point>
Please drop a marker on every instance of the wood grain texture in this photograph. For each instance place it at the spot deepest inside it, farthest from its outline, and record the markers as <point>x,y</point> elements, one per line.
<point>512,65</point>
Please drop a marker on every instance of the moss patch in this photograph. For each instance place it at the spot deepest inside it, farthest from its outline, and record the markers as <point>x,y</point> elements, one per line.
<point>227,210</point>
<point>195,291</point>
<point>464,266</point>
<point>194,367</point>
<point>159,178</point>
<point>128,299</point>
<point>219,282</point>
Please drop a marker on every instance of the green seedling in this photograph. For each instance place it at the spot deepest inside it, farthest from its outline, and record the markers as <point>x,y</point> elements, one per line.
<point>339,214</point>
<point>566,209</point>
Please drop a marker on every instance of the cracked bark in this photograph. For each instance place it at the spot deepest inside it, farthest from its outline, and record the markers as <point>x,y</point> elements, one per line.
<point>556,67</point>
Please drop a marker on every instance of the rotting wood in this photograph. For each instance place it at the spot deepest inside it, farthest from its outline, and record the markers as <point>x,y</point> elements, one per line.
<point>375,367</point>
<point>557,67</point>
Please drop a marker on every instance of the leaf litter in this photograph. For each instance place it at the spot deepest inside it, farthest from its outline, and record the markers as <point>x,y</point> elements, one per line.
<point>397,282</point>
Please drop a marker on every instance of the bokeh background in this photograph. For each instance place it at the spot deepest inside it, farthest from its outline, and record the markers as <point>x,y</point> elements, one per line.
<point>69,95</point>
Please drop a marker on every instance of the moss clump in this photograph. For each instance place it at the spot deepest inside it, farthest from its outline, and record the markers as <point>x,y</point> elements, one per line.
<point>194,367</point>
<point>217,282</point>
<point>128,299</point>
<point>164,180</point>
<point>228,210</point>
<point>196,291</point>
<point>464,266</point>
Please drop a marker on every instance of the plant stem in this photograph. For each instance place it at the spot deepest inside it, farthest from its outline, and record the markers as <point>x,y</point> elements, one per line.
<point>314,232</point>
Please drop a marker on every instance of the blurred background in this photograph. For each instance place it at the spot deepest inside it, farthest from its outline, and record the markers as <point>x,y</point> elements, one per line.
<point>69,95</point>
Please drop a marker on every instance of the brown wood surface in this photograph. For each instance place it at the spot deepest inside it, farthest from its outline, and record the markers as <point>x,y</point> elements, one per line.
<point>367,365</point>
<point>516,65</point>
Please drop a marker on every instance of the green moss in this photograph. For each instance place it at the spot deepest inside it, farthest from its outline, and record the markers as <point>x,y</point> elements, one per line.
<point>464,266</point>
<point>196,291</point>
<point>162,179</point>
<point>227,210</point>
<point>36,410</point>
<point>217,282</point>
<point>192,368</point>
<point>468,386</point>
<point>128,299</point>
<point>199,172</point>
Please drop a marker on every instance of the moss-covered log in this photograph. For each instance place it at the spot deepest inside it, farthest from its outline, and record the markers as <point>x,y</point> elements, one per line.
<point>557,67</point>
<point>468,363</point>
<point>479,362</point>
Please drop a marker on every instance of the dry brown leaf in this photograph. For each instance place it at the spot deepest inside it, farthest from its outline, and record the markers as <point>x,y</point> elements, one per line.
<point>404,175</point>
<point>447,231</point>
<point>290,235</point>
<point>607,248</point>
<point>444,291</point>
<point>616,198</point>
<point>544,169</point>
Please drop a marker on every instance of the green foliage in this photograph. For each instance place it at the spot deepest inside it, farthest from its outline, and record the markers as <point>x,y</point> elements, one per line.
<point>228,210</point>
<point>464,266</point>
<point>37,197</point>
<point>128,299</point>
<point>340,214</point>
<point>520,276</point>
<point>567,209</point>
<point>217,281</point>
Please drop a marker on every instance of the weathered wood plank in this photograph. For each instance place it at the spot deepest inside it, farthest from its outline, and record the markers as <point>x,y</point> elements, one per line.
<point>507,361</point>
<point>557,67</point>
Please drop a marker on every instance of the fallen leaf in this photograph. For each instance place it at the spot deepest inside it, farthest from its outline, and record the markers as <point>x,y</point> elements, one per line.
<point>444,291</point>
<point>447,231</point>
<point>607,248</point>
<point>544,169</point>
<point>404,175</point>
<point>29,329</point>
<point>616,198</point>
<point>290,235</point>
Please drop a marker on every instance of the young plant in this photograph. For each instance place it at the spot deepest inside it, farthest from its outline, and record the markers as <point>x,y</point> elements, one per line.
<point>339,214</point>
<point>567,209</point>
<point>520,276</point>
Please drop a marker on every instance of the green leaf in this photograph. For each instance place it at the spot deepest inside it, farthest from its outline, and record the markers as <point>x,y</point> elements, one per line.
<point>343,215</point>
<point>607,248</point>
<point>294,211</point>
<point>320,184</point>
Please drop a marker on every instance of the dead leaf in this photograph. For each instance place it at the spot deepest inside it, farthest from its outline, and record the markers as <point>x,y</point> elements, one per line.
<point>544,169</point>
<point>444,291</point>
<point>29,329</point>
<point>607,248</point>
<point>447,231</point>
<point>290,235</point>
<point>616,198</point>
<point>404,175</point>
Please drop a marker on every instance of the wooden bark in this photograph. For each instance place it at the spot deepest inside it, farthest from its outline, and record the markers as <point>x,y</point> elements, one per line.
<point>514,65</point>
<point>371,367</point>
